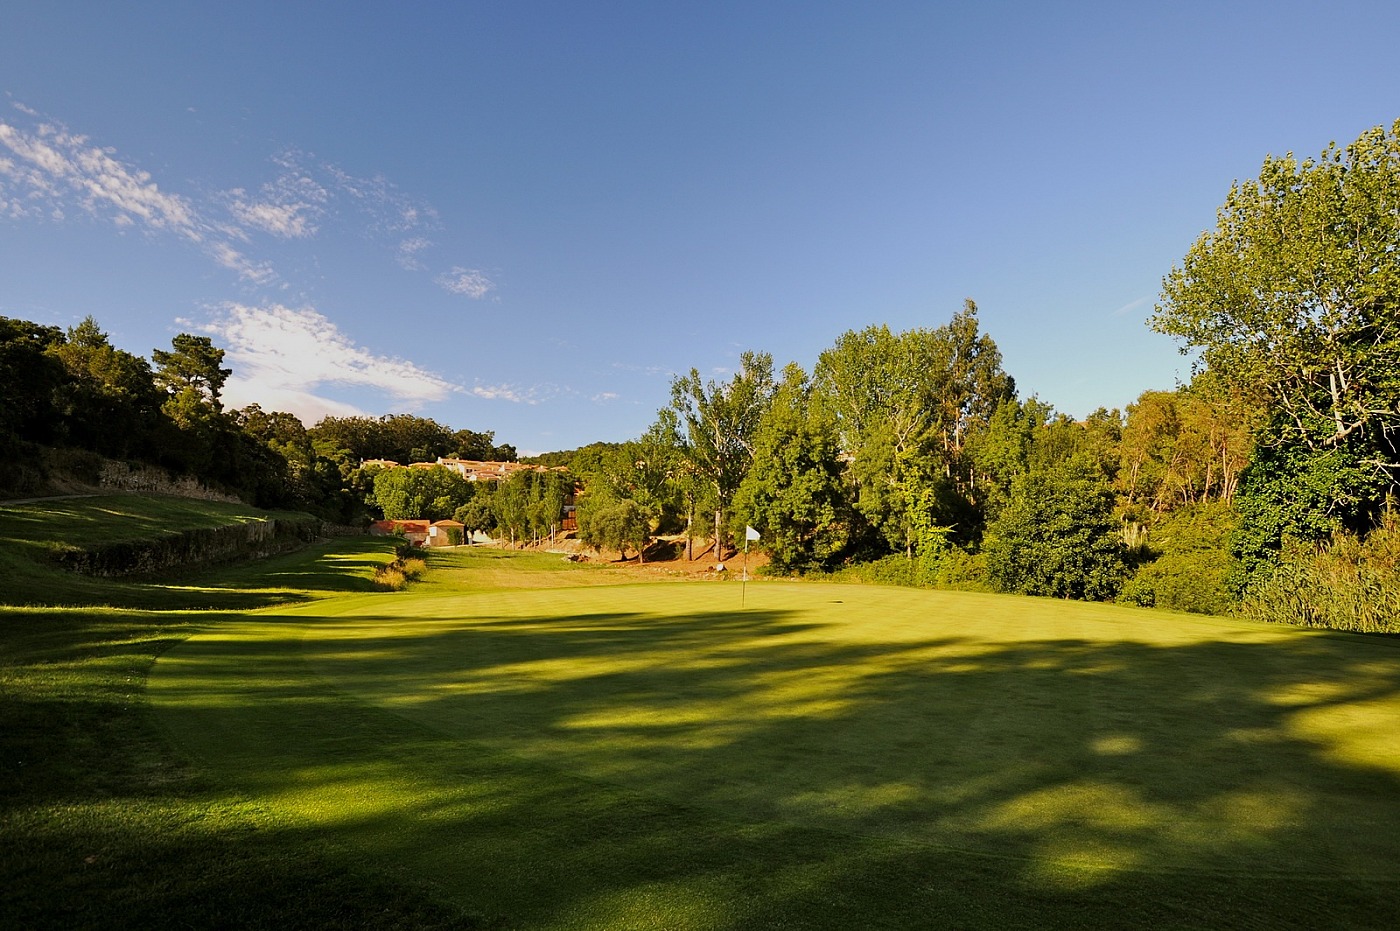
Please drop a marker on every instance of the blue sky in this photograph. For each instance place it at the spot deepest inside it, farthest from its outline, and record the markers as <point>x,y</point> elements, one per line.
<point>526,217</point>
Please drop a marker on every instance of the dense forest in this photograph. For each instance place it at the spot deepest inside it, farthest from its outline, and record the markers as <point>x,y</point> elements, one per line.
<point>1265,485</point>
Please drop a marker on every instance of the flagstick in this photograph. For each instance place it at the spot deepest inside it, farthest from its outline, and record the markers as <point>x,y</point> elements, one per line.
<point>744,581</point>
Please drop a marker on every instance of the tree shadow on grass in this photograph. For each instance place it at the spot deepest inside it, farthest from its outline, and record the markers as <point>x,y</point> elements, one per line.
<point>741,770</point>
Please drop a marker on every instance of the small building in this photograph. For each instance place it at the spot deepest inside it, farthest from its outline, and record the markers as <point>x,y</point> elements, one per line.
<point>446,533</point>
<point>416,532</point>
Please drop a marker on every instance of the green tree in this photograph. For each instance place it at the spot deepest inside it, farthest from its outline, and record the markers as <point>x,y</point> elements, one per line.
<point>795,491</point>
<point>30,376</point>
<point>717,422</point>
<point>1294,298</point>
<point>190,372</point>
<point>110,403</point>
<point>615,524</point>
<point>907,406</point>
<point>1057,535</point>
<point>476,515</point>
<point>433,493</point>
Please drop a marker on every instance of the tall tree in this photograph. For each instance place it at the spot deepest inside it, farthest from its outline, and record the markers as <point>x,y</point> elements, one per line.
<point>110,403</point>
<point>29,377</point>
<point>1057,535</point>
<point>192,369</point>
<point>795,491</point>
<point>1295,297</point>
<point>906,405</point>
<point>719,421</point>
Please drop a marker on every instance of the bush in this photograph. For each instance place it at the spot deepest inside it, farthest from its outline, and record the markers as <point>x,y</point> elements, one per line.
<point>1056,536</point>
<point>1352,584</point>
<point>953,568</point>
<point>406,567</point>
<point>1189,563</point>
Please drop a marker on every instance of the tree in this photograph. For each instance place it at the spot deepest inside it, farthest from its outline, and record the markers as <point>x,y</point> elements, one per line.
<point>191,369</point>
<point>433,493</point>
<point>29,377</point>
<point>1294,298</point>
<point>476,515</point>
<point>616,525</point>
<point>906,406</point>
<point>1057,535</point>
<point>110,403</point>
<point>795,490</point>
<point>719,421</point>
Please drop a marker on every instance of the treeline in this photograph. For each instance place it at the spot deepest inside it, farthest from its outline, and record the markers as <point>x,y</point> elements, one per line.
<point>526,507</point>
<point>910,457</point>
<point>1265,485</point>
<point>69,398</point>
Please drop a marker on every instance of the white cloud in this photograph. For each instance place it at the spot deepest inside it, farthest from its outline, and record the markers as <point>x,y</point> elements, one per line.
<point>512,393</point>
<point>605,396</point>
<point>1131,305</point>
<point>287,221</point>
<point>290,206</point>
<point>281,356</point>
<point>232,259</point>
<point>408,253</point>
<point>53,162</point>
<point>467,281</point>
<point>388,208</point>
<point>49,173</point>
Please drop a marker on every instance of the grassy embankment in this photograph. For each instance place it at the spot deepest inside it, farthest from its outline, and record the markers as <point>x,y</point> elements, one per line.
<point>511,742</point>
<point>103,823</point>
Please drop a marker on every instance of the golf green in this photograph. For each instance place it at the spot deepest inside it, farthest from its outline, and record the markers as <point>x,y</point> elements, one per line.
<point>703,755</point>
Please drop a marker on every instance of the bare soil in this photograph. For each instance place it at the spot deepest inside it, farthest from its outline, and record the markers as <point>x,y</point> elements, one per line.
<point>664,555</point>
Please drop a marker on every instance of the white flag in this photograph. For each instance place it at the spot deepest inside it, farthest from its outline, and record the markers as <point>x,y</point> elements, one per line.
<point>750,533</point>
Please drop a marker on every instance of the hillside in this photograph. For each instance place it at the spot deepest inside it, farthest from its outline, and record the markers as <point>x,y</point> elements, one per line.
<point>66,551</point>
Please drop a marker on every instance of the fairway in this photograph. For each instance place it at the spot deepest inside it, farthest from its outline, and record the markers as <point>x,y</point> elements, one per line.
<point>817,755</point>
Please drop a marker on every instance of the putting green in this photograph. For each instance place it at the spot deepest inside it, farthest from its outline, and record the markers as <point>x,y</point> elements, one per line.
<point>493,741</point>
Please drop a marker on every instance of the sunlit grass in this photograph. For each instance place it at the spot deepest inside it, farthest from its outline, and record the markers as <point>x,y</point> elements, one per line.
<point>102,823</point>
<point>663,755</point>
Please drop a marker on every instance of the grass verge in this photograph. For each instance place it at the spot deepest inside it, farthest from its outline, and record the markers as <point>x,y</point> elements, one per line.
<point>103,824</point>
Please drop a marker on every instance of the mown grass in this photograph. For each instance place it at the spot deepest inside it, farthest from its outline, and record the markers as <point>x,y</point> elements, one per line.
<point>517,741</point>
<point>31,533</point>
<point>103,823</point>
<point>817,756</point>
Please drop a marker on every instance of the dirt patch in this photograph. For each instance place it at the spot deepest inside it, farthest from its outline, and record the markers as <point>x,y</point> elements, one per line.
<point>663,555</point>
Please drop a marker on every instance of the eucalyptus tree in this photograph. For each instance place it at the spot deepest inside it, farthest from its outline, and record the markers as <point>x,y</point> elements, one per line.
<point>715,426</point>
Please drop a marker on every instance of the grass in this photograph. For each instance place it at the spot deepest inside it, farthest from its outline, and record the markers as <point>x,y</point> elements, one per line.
<point>103,823</point>
<point>516,741</point>
<point>31,533</point>
<point>656,756</point>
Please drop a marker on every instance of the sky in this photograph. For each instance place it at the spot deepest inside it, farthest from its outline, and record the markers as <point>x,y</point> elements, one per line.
<point>528,217</point>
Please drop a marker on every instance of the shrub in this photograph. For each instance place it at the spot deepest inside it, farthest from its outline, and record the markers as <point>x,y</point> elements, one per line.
<point>1188,564</point>
<point>1351,584</point>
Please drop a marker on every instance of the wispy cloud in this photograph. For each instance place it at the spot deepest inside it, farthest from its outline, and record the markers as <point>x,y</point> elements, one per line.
<point>513,393</point>
<point>1132,306</point>
<point>52,168</point>
<point>466,281</point>
<point>51,171</point>
<point>48,172</point>
<point>289,207</point>
<point>408,253</point>
<point>283,357</point>
<point>605,396</point>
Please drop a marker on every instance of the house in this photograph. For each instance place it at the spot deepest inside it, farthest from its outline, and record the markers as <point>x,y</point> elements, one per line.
<point>416,532</point>
<point>446,533</point>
